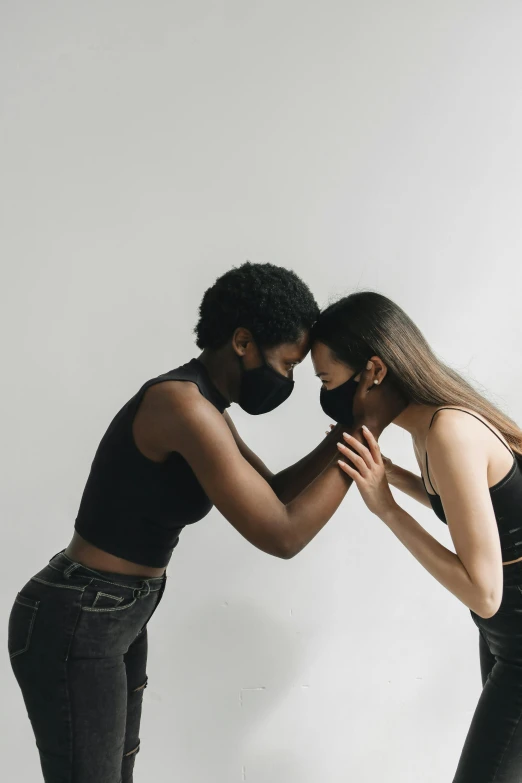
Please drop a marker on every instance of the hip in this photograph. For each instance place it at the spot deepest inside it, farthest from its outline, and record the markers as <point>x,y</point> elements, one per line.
<point>68,610</point>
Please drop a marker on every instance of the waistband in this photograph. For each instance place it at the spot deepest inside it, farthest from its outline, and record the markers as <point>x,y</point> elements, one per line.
<point>68,566</point>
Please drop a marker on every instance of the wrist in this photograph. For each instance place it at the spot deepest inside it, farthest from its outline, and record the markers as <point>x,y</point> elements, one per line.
<point>393,474</point>
<point>389,512</point>
<point>334,436</point>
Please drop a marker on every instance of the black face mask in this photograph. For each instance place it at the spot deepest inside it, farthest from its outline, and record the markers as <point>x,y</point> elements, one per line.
<point>263,388</point>
<point>338,403</point>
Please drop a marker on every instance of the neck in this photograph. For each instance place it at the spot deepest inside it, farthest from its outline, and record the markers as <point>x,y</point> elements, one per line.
<point>416,419</point>
<point>220,370</point>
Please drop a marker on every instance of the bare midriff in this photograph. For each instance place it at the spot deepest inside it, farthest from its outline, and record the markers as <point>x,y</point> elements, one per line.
<point>91,556</point>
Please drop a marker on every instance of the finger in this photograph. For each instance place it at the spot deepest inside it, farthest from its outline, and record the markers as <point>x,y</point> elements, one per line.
<point>360,448</point>
<point>373,445</point>
<point>366,381</point>
<point>354,474</point>
<point>357,460</point>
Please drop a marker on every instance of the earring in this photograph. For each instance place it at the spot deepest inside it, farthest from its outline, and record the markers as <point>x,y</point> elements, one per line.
<point>376,381</point>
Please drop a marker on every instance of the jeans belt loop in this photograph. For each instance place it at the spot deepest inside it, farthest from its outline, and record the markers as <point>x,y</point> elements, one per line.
<point>138,591</point>
<point>70,568</point>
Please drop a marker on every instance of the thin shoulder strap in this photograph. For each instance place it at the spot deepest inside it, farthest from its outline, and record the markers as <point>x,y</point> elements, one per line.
<point>478,419</point>
<point>428,472</point>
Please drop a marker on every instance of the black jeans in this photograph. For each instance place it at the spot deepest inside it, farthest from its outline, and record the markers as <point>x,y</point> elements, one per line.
<point>492,752</point>
<point>78,647</point>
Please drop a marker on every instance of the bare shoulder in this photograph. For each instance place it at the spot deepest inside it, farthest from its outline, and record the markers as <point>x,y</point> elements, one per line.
<point>458,449</point>
<point>167,412</point>
<point>180,401</point>
<point>173,393</point>
<point>456,426</point>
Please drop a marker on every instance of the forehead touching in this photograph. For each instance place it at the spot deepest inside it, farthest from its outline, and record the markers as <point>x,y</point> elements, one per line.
<point>291,352</point>
<point>324,360</point>
<point>326,363</point>
<point>328,368</point>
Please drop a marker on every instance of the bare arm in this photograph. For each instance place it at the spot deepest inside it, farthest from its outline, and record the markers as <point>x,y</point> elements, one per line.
<point>200,433</point>
<point>190,425</point>
<point>290,482</point>
<point>409,483</point>
<point>459,465</point>
<point>181,420</point>
<point>250,456</point>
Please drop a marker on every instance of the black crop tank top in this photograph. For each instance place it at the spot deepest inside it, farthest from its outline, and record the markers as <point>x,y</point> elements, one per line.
<point>506,498</point>
<point>135,508</point>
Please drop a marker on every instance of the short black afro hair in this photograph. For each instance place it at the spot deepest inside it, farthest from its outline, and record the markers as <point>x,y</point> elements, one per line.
<point>270,301</point>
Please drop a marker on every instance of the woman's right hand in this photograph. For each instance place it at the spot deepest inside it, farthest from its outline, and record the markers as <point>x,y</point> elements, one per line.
<point>376,405</point>
<point>389,467</point>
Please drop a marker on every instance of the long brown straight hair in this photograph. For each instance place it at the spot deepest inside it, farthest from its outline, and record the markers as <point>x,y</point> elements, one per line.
<point>367,323</point>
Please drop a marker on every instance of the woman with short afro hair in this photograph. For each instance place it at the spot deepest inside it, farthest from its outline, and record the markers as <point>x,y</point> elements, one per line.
<point>78,628</point>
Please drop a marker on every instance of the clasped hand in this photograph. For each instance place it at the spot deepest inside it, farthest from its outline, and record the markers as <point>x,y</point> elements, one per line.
<point>368,471</point>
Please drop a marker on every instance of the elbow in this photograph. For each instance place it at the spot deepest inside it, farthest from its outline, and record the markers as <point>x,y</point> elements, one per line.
<point>282,539</point>
<point>486,611</point>
<point>488,604</point>
<point>286,547</point>
<point>286,551</point>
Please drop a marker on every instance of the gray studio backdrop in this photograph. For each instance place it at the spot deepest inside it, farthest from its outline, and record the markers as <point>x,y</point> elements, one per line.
<point>146,147</point>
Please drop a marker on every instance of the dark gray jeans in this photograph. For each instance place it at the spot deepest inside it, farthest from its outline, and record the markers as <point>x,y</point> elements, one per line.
<point>78,648</point>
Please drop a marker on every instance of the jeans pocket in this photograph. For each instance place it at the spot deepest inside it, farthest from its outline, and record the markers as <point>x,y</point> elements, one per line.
<point>106,601</point>
<point>95,600</point>
<point>21,623</point>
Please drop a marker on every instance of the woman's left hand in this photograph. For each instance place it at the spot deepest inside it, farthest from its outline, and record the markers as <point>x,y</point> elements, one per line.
<point>368,471</point>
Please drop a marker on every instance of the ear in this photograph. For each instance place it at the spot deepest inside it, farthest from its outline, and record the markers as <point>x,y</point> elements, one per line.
<point>378,372</point>
<point>241,339</point>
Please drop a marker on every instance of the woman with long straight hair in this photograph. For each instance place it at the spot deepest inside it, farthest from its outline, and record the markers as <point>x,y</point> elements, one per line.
<point>470,472</point>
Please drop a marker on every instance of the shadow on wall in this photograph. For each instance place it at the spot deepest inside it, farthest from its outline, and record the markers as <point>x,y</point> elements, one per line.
<point>214,678</point>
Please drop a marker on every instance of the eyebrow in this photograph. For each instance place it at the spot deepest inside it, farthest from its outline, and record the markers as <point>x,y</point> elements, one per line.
<point>320,374</point>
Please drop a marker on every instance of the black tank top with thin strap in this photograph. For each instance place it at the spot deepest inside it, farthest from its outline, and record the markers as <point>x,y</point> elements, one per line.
<point>506,498</point>
<point>133,507</point>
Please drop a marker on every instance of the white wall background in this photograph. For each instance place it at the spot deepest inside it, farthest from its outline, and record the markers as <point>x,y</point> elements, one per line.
<point>146,147</point>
